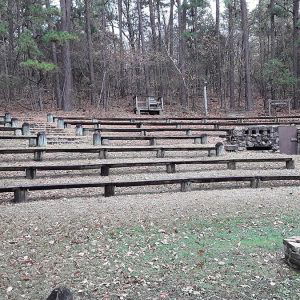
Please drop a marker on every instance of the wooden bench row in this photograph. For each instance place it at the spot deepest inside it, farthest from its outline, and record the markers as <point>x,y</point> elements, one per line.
<point>21,192</point>
<point>178,125</point>
<point>103,151</point>
<point>31,171</point>
<point>145,131</point>
<point>139,119</point>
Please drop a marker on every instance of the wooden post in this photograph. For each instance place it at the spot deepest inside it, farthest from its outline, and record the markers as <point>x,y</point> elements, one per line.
<point>139,125</point>
<point>60,123</point>
<point>144,132</point>
<point>42,139</point>
<point>97,125</point>
<point>231,165</point>
<point>171,168</point>
<point>178,126</point>
<point>78,130</point>
<point>220,150</point>
<point>96,139</point>
<point>152,142</point>
<point>204,138</point>
<point>104,171</point>
<point>20,195</point>
<point>55,119</point>
<point>38,155</point>
<point>7,124</point>
<point>216,126</point>
<point>49,118</point>
<point>109,190</point>
<point>94,120</point>
<point>185,186</point>
<point>290,164</point>
<point>30,173</point>
<point>25,129</point>
<point>103,154</point>
<point>160,153</point>
<point>14,122</point>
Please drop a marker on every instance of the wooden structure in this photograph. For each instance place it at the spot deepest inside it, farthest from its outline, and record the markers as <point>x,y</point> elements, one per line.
<point>31,171</point>
<point>292,251</point>
<point>104,150</point>
<point>21,191</point>
<point>148,105</point>
<point>286,102</point>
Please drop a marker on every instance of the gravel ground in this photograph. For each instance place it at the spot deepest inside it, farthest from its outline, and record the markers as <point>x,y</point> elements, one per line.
<point>61,237</point>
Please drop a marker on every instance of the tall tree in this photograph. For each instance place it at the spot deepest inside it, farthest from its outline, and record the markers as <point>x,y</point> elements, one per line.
<point>67,104</point>
<point>246,54</point>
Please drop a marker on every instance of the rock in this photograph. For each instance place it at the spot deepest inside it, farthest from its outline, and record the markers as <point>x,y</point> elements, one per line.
<point>61,293</point>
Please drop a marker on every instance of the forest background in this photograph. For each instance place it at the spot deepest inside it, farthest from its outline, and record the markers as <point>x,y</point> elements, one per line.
<point>100,53</point>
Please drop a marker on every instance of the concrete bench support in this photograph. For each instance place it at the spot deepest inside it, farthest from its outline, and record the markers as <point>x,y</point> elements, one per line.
<point>290,164</point>
<point>38,155</point>
<point>160,153</point>
<point>14,122</point>
<point>152,142</point>
<point>79,130</point>
<point>7,117</point>
<point>188,132</point>
<point>33,142</point>
<point>30,173</point>
<point>254,183</point>
<point>20,195</point>
<point>60,123</point>
<point>49,118</point>
<point>109,190</point>
<point>85,132</point>
<point>231,165</point>
<point>104,171</point>
<point>41,139</point>
<point>97,139</point>
<point>171,168</point>
<point>103,154</point>
<point>25,129</point>
<point>185,186</point>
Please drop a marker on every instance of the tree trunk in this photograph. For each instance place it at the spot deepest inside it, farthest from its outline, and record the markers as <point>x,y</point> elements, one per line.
<point>66,55</point>
<point>246,52</point>
<point>90,50</point>
<point>232,103</point>
<point>296,52</point>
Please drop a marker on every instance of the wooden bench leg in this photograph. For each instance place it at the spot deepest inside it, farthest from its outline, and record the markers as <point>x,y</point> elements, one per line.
<point>160,153</point>
<point>185,186</point>
<point>38,155</point>
<point>20,195</point>
<point>171,168</point>
<point>103,154</point>
<point>231,165</point>
<point>30,173</point>
<point>290,164</point>
<point>109,190</point>
<point>104,171</point>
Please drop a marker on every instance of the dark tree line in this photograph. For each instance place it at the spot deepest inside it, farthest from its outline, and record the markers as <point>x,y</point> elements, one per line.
<point>98,53</point>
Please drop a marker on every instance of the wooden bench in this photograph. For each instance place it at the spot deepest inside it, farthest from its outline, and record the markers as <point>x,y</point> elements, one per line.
<point>203,119</point>
<point>31,171</point>
<point>104,150</point>
<point>21,191</point>
<point>105,140</point>
<point>39,140</point>
<point>145,131</point>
